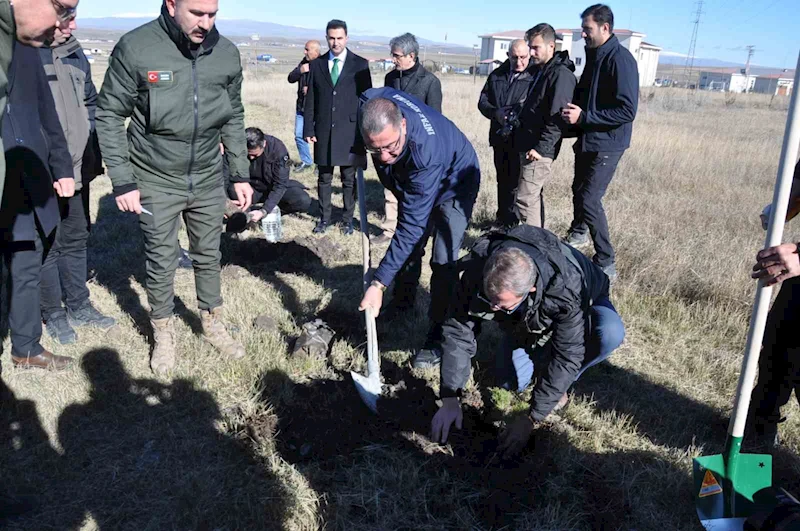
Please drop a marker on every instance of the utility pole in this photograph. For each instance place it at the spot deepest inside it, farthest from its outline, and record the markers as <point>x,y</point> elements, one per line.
<point>751,50</point>
<point>687,71</point>
<point>475,67</point>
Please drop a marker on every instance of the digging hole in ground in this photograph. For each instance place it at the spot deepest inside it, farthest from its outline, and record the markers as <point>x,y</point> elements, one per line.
<point>325,430</point>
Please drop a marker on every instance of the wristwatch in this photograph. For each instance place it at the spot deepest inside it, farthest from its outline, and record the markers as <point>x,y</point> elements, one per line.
<point>376,284</point>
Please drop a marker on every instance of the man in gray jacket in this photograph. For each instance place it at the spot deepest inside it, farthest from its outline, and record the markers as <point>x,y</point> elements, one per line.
<point>411,77</point>
<point>64,271</point>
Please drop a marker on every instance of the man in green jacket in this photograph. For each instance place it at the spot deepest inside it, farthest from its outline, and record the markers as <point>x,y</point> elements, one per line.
<point>179,82</point>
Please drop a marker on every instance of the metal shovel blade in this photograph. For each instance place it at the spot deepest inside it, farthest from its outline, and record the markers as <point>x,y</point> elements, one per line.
<point>369,388</point>
<point>724,499</point>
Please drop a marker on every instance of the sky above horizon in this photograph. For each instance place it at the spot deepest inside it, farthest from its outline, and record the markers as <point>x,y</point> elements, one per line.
<point>726,26</point>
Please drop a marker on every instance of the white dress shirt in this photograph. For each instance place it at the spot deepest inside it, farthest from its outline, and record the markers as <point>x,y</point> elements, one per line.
<point>341,58</point>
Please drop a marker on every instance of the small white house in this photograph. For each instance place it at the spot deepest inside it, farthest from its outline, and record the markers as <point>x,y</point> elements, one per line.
<point>726,80</point>
<point>776,85</point>
<point>495,47</point>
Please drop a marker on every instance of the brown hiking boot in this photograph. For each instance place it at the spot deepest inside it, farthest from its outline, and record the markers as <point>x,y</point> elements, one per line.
<point>216,334</point>
<point>163,359</point>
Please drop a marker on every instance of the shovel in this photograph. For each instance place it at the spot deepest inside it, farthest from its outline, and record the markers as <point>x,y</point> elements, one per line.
<point>726,483</point>
<point>369,386</point>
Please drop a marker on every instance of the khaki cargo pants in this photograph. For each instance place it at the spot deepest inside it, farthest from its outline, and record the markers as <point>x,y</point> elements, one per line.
<point>202,213</point>
<point>530,192</point>
<point>391,208</point>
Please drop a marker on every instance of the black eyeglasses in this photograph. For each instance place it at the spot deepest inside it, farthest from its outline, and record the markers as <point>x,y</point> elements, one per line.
<point>391,148</point>
<point>64,13</point>
<point>495,307</point>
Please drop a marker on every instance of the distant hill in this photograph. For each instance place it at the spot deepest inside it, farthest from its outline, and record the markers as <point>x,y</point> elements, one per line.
<point>245,28</point>
<point>700,63</point>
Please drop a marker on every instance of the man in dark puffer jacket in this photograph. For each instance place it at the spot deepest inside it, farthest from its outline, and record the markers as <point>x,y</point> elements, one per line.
<point>552,303</point>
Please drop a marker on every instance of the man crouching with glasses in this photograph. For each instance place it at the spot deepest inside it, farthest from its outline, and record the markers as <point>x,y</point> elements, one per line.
<point>552,304</point>
<point>432,169</point>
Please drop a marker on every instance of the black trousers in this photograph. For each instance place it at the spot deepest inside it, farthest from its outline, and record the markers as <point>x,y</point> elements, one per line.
<point>325,191</point>
<point>507,167</point>
<point>294,200</point>
<point>593,174</point>
<point>779,364</point>
<point>447,225</point>
<point>24,264</point>
<point>64,270</point>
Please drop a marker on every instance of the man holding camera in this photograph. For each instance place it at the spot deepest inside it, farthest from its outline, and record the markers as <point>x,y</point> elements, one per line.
<point>501,100</point>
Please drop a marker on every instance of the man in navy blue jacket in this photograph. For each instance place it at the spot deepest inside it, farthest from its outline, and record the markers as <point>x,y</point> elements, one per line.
<point>603,110</point>
<point>432,169</point>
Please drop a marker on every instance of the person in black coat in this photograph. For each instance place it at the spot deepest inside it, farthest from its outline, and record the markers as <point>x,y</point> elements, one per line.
<point>501,99</point>
<point>410,77</point>
<point>603,110</point>
<point>338,79</point>
<point>300,76</point>
<point>551,302</point>
<point>37,162</point>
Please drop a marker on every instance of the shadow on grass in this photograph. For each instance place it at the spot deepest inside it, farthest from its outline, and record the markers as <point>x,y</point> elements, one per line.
<point>115,238</point>
<point>384,473</point>
<point>663,415</point>
<point>310,257</point>
<point>139,454</point>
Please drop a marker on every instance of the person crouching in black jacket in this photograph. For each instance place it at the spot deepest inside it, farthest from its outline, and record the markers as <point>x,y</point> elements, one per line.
<point>269,177</point>
<point>552,303</point>
<point>542,127</point>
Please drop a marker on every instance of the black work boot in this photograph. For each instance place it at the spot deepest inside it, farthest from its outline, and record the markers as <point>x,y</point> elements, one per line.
<point>58,328</point>
<point>87,315</point>
<point>430,355</point>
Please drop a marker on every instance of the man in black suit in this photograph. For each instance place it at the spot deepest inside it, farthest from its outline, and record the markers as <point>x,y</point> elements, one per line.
<point>38,163</point>
<point>337,80</point>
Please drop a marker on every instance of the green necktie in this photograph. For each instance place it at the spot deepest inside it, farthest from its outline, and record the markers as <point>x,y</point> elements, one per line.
<point>335,71</point>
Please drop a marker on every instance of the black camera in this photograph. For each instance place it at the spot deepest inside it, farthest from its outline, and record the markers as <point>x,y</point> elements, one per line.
<point>511,123</point>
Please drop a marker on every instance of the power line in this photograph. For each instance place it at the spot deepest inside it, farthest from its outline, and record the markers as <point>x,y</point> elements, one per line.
<point>693,44</point>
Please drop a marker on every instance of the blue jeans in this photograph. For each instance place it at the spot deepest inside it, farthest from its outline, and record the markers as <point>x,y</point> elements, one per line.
<point>302,146</point>
<point>606,334</point>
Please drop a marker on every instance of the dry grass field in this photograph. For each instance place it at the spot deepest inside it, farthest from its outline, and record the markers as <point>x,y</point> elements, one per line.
<point>282,442</point>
